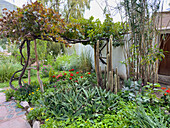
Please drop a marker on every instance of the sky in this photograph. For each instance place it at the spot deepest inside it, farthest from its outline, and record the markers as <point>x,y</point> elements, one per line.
<point>95,9</point>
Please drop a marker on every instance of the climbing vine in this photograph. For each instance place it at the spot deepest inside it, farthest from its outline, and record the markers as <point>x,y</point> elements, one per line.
<point>34,21</point>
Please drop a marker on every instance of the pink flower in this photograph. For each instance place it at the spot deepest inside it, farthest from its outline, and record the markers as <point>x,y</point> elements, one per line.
<point>54,86</point>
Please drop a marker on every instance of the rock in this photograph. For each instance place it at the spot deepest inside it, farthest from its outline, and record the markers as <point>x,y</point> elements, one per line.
<point>24,104</point>
<point>36,124</point>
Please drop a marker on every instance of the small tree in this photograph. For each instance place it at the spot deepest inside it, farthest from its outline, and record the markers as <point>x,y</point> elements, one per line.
<point>28,24</point>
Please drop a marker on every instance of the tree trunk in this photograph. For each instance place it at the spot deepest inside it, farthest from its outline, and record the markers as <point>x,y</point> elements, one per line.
<point>29,72</point>
<point>38,67</point>
<point>95,57</point>
<point>99,77</point>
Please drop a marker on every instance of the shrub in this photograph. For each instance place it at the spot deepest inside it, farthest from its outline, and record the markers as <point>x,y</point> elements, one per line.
<point>66,62</point>
<point>7,68</point>
<point>85,61</point>
<point>45,69</point>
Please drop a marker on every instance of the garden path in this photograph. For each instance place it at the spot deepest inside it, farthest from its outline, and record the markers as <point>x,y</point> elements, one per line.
<point>10,115</point>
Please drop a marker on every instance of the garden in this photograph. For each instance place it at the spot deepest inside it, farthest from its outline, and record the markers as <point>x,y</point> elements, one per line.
<point>68,90</point>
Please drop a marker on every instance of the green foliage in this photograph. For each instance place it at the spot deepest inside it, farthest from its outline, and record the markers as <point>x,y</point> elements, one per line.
<point>9,93</point>
<point>37,114</point>
<point>66,62</point>
<point>126,115</point>
<point>7,68</point>
<point>85,61</point>
<point>149,92</point>
<point>151,120</point>
<point>130,90</point>
<point>29,93</point>
<point>45,69</point>
<point>30,22</point>
<point>75,103</point>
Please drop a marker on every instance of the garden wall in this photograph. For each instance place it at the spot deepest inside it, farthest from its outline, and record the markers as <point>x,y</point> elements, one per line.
<point>117,54</point>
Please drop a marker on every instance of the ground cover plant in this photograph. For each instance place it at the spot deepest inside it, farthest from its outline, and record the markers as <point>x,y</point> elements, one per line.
<point>72,100</point>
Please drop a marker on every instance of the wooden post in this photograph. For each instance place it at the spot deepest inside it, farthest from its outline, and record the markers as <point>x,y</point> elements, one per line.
<point>29,73</point>
<point>99,78</point>
<point>110,52</point>
<point>115,90</point>
<point>37,62</point>
<point>108,65</point>
<point>105,76</point>
<point>95,57</point>
<point>116,81</point>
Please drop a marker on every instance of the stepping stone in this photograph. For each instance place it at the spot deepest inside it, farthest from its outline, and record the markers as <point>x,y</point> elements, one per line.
<point>18,110</point>
<point>2,98</point>
<point>3,111</point>
<point>36,124</point>
<point>24,104</point>
<point>13,103</point>
<point>21,113</point>
<point>10,116</point>
<point>6,103</point>
<point>19,122</point>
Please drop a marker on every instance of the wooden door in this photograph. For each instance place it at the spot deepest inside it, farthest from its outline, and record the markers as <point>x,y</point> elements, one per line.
<point>164,66</point>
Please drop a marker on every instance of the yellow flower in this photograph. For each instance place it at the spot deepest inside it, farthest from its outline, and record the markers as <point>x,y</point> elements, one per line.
<point>29,94</point>
<point>47,120</point>
<point>31,109</point>
<point>32,92</point>
<point>85,121</point>
<point>36,90</point>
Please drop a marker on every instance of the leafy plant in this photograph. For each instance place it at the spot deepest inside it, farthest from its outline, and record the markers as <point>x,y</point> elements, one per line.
<point>151,121</point>
<point>9,93</point>
<point>45,69</point>
<point>85,61</point>
<point>7,68</point>
<point>66,62</point>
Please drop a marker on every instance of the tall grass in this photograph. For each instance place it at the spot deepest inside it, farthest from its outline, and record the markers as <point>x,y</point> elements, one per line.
<point>7,67</point>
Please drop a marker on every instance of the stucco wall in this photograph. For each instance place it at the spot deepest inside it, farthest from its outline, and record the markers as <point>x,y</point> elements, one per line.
<point>117,54</point>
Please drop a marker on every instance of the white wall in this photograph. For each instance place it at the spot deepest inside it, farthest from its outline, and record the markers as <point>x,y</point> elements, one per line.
<point>1,49</point>
<point>117,54</point>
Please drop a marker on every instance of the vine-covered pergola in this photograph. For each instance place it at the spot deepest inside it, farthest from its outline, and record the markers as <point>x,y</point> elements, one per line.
<point>34,21</point>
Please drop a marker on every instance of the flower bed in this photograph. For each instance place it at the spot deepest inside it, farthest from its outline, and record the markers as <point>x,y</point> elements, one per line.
<point>72,99</point>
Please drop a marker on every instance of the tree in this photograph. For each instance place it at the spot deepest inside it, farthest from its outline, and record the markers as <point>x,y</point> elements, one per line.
<point>75,8</point>
<point>34,21</point>
<point>28,24</point>
<point>68,8</point>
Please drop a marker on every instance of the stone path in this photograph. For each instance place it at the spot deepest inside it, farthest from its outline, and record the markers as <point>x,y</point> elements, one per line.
<point>10,115</point>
